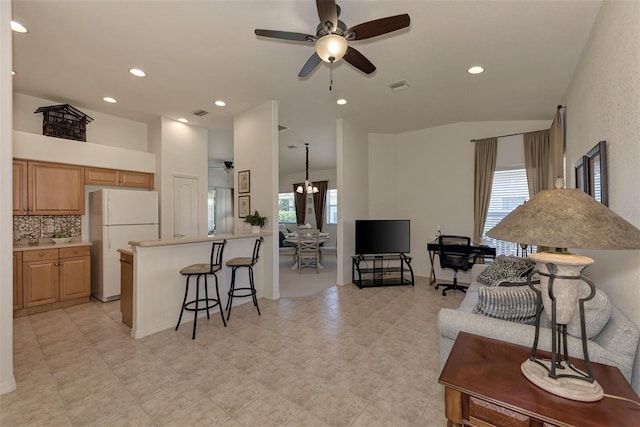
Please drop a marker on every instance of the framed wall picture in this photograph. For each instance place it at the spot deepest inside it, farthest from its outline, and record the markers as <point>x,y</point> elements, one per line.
<point>244,206</point>
<point>244,182</point>
<point>582,174</point>
<point>597,173</point>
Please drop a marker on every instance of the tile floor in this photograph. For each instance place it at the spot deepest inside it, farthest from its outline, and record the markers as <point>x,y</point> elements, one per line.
<point>342,357</point>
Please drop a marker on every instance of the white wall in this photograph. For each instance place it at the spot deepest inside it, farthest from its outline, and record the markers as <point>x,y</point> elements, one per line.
<point>182,153</point>
<point>255,148</point>
<point>427,176</point>
<point>104,129</point>
<point>353,197</point>
<point>603,103</point>
<point>7,380</point>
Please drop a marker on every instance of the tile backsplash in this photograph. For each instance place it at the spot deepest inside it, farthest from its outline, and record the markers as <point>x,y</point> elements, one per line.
<point>39,226</point>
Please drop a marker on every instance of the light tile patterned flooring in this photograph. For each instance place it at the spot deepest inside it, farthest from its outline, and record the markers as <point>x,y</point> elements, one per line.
<point>342,357</point>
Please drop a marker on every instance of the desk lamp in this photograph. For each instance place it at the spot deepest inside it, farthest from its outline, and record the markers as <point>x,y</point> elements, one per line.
<point>561,219</point>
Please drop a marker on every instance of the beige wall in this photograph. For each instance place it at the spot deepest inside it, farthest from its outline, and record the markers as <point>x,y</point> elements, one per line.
<point>255,147</point>
<point>7,381</point>
<point>603,103</point>
<point>353,195</point>
<point>427,176</point>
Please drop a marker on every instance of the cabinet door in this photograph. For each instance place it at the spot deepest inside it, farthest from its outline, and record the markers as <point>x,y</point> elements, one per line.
<point>19,187</point>
<point>136,179</point>
<point>75,277</point>
<point>40,281</point>
<point>99,176</point>
<point>56,189</point>
<point>17,280</point>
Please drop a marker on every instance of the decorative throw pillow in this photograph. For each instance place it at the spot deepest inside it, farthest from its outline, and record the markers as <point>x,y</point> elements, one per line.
<point>597,312</point>
<point>505,267</point>
<point>515,304</point>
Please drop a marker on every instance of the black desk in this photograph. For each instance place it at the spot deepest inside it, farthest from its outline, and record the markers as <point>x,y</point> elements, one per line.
<point>482,252</point>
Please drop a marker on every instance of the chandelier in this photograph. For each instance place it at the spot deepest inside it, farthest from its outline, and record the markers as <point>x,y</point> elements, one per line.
<point>308,187</point>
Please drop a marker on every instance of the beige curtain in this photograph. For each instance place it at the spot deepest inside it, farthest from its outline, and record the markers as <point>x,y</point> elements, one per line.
<point>536,161</point>
<point>557,148</point>
<point>485,166</point>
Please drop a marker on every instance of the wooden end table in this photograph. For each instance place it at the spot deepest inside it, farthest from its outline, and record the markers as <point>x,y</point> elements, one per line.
<point>484,387</point>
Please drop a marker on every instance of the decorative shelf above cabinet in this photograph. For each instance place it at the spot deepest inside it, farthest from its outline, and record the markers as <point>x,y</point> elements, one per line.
<point>117,178</point>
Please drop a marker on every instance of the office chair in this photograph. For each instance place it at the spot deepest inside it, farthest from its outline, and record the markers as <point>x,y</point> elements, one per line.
<point>456,253</point>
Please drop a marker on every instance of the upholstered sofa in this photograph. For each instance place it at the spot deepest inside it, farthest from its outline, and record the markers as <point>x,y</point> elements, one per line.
<point>616,344</point>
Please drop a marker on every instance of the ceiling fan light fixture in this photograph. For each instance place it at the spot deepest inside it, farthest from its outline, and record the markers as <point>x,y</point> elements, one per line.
<point>331,48</point>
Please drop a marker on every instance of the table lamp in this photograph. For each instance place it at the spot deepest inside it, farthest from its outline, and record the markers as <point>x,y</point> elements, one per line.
<point>560,219</point>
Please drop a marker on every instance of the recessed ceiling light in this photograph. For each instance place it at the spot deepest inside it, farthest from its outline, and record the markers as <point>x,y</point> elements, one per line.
<point>220,103</point>
<point>476,69</point>
<point>18,27</point>
<point>109,100</point>
<point>341,101</point>
<point>13,73</point>
<point>183,120</point>
<point>137,72</point>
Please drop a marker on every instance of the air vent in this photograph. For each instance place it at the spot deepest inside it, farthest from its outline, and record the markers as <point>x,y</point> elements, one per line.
<point>199,113</point>
<point>280,127</point>
<point>399,85</point>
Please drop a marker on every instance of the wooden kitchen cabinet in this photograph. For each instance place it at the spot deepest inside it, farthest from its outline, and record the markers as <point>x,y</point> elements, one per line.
<point>17,280</point>
<point>118,178</point>
<point>126,287</point>
<point>41,188</point>
<point>52,278</point>
<point>74,272</point>
<point>39,277</point>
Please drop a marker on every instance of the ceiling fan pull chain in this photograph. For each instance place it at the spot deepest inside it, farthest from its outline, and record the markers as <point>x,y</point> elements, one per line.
<point>330,76</point>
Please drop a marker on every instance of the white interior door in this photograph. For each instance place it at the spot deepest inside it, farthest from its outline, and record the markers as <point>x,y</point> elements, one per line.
<point>185,207</point>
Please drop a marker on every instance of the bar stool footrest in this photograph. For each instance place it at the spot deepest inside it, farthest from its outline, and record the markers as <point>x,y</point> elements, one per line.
<point>201,301</point>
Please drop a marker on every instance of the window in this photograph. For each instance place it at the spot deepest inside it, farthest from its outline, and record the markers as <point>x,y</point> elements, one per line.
<point>286,208</point>
<point>332,206</point>
<point>509,191</point>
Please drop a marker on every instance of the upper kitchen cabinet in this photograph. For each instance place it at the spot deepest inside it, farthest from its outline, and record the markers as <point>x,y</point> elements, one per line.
<point>118,178</point>
<point>49,189</point>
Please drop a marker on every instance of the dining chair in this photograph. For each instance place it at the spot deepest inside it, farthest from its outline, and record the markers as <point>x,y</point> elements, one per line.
<point>308,253</point>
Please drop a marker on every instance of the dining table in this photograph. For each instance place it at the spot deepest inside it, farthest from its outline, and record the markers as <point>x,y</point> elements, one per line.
<point>293,238</point>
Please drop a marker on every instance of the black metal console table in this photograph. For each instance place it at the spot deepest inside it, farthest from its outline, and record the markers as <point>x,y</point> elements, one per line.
<point>381,270</point>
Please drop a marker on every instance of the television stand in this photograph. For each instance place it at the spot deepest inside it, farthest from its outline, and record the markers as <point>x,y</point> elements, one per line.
<point>381,270</point>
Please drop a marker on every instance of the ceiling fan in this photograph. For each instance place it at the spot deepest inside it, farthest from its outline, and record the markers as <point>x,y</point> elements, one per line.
<point>227,165</point>
<point>332,37</point>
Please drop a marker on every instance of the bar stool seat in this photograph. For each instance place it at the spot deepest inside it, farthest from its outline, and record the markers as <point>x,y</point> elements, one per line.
<point>246,291</point>
<point>203,270</point>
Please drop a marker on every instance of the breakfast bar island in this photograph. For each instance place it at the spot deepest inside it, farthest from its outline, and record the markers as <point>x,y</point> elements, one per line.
<point>158,287</point>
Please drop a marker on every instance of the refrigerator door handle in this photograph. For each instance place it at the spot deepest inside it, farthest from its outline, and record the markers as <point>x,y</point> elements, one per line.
<point>109,240</point>
<point>108,218</point>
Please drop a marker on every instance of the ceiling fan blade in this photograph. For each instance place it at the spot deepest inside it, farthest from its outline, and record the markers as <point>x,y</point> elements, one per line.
<point>311,64</point>
<point>378,27</point>
<point>327,12</point>
<point>359,61</point>
<point>285,35</point>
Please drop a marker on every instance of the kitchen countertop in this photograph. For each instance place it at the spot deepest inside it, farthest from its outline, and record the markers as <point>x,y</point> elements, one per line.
<point>169,242</point>
<point>25,247</point>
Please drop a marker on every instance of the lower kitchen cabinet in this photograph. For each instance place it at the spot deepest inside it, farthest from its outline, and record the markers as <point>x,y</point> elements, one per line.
<point>53,278</point>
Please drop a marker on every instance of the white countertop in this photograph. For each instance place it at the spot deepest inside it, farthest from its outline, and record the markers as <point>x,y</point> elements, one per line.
<point>181,241</point>
<point>25,247</point>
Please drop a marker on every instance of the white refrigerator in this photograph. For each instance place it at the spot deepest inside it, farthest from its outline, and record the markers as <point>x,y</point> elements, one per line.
<point>117,217</point>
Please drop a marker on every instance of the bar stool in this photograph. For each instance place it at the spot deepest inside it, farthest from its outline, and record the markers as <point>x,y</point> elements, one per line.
<point>200,270</point>
<point>235,264</point>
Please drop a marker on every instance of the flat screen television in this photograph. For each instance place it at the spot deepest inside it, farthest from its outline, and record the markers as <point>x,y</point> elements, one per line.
<point>383,236</point>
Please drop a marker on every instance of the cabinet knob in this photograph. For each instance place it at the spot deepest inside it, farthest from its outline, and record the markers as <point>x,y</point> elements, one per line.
<point>75,252</point>
<point>41,254</point>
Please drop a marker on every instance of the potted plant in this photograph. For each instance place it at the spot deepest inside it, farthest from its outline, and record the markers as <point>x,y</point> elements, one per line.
<point>256,221</point>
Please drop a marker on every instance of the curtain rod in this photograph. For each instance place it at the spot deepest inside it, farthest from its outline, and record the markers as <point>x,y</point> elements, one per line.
<point>519,133</point>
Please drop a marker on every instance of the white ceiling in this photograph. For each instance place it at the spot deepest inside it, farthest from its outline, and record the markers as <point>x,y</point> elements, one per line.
<point>197,51</point>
